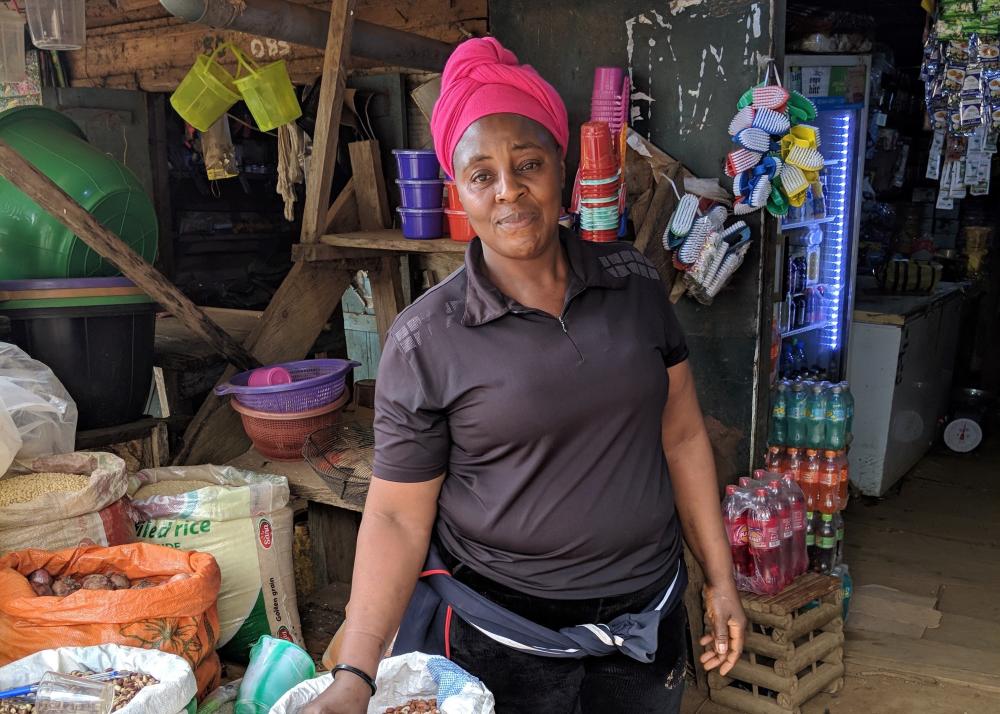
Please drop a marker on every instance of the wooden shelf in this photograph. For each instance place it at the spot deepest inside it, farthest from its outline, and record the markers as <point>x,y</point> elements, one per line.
<point>302,480</point>
<point>392,240</point>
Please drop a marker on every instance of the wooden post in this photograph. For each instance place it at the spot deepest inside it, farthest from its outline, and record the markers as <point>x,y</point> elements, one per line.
<point>369,183</point>
<point>387,294</point>
<point>343,214</point>
<point>43,191</point>
<point>331,103</point>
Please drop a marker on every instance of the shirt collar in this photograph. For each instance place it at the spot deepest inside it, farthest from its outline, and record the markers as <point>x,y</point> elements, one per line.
<point>484,302</point>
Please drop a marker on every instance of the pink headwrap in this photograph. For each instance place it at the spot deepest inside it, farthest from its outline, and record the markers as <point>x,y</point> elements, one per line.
<point>482,78</point>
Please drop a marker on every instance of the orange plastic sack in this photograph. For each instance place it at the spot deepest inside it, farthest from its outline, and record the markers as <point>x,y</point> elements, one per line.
<point>179,618</point>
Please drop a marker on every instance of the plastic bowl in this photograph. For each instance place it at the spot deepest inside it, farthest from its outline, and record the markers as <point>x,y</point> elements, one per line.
<point>421,223</point>
<point>417,163</point>
<point>453,202</point>
<point>267,376</point>
<point>420,193</point>
<point>315,383</point>
<point>459,227</point>
<point>281,436</point>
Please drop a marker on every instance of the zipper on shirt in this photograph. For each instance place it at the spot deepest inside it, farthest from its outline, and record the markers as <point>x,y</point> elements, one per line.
<point>562,324</point>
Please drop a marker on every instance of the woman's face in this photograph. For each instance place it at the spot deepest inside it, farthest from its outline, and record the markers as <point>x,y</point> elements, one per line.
<point>510,174</point>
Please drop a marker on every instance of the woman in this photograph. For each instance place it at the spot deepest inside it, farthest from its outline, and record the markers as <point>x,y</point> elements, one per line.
<point>536,424</point>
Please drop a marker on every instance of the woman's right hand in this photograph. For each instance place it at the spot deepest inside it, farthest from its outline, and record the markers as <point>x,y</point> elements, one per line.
<point>347,695</point>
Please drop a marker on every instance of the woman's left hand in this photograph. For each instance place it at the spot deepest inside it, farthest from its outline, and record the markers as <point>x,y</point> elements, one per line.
<point>725,643</point>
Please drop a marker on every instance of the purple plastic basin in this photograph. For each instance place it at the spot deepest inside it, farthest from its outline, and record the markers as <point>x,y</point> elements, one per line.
<point>421,193</point>
<point>417,163</point>
<point>65,283</point>
<point>421,223</point>
<point>315,383</point>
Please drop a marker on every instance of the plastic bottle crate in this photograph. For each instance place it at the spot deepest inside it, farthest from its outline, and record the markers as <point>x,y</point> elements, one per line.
<point>794,649</point>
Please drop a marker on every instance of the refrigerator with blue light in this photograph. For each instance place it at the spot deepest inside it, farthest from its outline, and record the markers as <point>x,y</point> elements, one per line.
<point>817,252</point>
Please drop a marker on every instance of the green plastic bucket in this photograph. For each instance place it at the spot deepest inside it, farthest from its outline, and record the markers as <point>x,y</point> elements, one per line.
<point>207,90</point>
<point>33,244</point>
<point>268,93</point>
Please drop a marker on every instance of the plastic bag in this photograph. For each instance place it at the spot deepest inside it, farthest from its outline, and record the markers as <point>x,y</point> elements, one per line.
<point>400,679</point>
<point>178,617</point>
<point>172,695</point>
<point>40,407</point>
<point>10,440</point>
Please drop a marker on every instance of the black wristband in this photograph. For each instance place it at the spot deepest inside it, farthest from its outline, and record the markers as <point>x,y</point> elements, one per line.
<point>357,673</point>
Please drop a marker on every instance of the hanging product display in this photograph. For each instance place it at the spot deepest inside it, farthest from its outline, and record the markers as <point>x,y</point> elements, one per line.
<point>707,252</point>
<point>961,74</point>
<point>776,160</point>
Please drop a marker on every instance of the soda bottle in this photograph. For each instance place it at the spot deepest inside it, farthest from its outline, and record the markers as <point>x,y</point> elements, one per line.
<point>784,511</point>
<point>826,545</point>
<point>778,435</point>
<point>765,544</point>
<point>838,527</point>
<point>811,540</point>
<point>843,492</point>
<point>845,389</point>
<point>795,415</point>
<point>787,360</point>
<point>797,506</point>
<point>734,514</point>
<point>776,459</point>
<point>809,483</point>
<point>829,483</point>
<point>846,586</point>
<point>816,418</point>
<point>795,463</point>
<point>836,420</point>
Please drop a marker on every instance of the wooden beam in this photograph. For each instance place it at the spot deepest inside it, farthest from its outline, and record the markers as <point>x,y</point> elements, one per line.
<point>331,103</point>
<point>393,240</point>
<point>387,294</point>
<point>49,196</point>
<point>343,214</point>
<point>369,184</point>
<point>287,329</point>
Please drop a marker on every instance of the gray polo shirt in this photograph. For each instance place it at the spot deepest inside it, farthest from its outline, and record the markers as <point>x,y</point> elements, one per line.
<point>549,430</point>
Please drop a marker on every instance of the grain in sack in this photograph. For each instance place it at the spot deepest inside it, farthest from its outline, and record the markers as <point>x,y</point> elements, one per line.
<point>242,518</point>
<point>58,501</point>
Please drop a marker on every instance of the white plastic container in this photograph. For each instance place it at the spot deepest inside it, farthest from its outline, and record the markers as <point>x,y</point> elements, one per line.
<point>57,24</point>
<point>11,46</point>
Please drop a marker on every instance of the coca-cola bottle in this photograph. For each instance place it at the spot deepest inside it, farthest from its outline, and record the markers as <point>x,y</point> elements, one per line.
<point>797,505</point>
<point>784,511</point>
<point>735,510</point>
<point>765,544</point>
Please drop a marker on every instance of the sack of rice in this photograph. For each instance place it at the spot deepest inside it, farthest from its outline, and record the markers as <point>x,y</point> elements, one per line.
<point>242,518</point>
<point>63,500</point>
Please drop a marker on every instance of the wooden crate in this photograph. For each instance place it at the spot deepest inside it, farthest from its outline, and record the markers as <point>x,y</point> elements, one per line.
<point>792,651</point>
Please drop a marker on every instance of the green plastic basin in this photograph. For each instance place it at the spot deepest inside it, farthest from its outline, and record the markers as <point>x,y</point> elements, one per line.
<point>35,245</point>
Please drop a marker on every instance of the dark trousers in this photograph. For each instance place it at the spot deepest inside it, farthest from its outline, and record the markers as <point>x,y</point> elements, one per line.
<point>529,684</point>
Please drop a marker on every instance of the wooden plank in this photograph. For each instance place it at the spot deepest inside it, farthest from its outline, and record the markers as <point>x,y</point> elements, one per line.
<point>369,185</point>
<point>746,702</point>
<point>955,664</point>
<point>811,620</point>
<point>762,676</point>
<point>812,684</point>
<point>327,132</point>
<point>387,294</point>
<point>439,265</point>
<point>334,534</point>
<point>287,329</point>
<point>426,95</point>
<point>303,482</point>
<point>392,240</point>
<point>764,645</point>
<point>43,191</point>
<point>818,648</point>
<point>343,214</point>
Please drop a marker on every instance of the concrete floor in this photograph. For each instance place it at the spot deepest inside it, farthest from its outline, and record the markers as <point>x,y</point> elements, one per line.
<point>936,535</point>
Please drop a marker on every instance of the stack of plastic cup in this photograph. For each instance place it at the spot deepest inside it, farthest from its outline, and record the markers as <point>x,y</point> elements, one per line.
<point>609,101</point>
<point>600,183</point>
<point>459,228</point>
<point>420,188</point>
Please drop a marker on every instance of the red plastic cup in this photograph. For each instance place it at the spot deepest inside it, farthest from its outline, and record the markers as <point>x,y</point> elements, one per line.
<point>459,228</point>
<point>597,155</point>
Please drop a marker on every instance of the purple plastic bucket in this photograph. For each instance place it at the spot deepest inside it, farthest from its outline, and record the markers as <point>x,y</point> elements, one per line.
<point>421,193</point>
<point>315,383</point>
<point>421,223</point>
<point>65,283</point>
<point>420,164</point>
